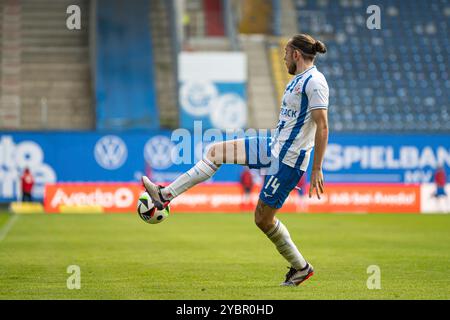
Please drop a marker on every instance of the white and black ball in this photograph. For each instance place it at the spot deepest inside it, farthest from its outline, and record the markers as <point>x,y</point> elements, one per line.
<point>148,212</point>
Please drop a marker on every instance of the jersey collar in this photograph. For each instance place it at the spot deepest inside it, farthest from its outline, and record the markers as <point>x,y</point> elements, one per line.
<point>300,74</point>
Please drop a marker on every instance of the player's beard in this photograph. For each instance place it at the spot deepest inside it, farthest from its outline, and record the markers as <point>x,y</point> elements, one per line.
<point>292,68</point>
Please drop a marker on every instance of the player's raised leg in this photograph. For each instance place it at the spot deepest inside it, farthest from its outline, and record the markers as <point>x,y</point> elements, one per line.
<point>232,152</point>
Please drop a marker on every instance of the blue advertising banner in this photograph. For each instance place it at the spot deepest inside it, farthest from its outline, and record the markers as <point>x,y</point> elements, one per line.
<point>163,155</point>
<point>385,158</point>
<point>83,157</point>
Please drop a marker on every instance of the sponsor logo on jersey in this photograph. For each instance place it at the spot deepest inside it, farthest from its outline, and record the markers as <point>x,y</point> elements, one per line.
<point>291,113</point>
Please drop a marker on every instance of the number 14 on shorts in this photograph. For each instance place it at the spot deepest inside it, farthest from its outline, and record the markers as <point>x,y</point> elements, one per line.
<point>272,183</point>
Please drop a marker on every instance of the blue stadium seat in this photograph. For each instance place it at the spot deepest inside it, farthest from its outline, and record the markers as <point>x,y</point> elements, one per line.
<point>393,79</point>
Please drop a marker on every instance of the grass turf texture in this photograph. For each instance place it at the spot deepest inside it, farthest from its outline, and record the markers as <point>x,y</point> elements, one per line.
<point>220,256</point>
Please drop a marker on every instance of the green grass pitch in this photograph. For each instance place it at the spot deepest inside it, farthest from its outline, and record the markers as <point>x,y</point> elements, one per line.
<point>223,256</point>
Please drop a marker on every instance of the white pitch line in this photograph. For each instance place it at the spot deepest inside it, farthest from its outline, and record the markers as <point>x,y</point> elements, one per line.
<point>8,226</point>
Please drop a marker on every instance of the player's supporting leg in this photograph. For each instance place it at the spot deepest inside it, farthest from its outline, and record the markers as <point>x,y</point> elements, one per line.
<point>276,231</point>
<point>278,234</point>
<point>232,152</point>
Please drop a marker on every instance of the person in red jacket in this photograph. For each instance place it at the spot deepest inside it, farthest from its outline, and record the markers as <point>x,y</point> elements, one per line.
<point>247,184</point>
<point>27,185</point>
<point>440,179</point>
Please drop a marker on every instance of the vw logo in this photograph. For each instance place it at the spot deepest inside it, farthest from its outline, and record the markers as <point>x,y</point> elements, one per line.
<point>158,152</point>
<point>110,152</point>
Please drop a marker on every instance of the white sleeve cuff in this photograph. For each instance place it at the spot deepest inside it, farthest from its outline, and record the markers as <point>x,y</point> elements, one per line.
<point>318,107</point>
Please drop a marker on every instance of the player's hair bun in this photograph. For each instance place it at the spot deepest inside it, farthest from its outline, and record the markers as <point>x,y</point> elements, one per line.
<point>319,47</point>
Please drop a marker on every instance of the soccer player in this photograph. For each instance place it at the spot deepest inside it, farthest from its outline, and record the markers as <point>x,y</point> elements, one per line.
<point>303,124</point>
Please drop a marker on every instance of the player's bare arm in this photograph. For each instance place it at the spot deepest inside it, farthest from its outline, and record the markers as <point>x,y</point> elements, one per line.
<point>320,118</point>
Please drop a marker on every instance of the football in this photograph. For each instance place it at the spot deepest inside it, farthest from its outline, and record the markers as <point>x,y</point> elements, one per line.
<point>148,212</point>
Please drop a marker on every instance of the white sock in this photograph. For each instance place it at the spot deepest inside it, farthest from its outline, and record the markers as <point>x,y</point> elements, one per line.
<point>202,171</point>
<point>280,236</point>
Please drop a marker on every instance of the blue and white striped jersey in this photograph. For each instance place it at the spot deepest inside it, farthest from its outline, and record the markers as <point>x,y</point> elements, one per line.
<point>294,137</point>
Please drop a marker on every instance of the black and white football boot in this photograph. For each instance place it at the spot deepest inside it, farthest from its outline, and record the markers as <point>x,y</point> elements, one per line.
<point>294,277</point>
<point>155,193</point>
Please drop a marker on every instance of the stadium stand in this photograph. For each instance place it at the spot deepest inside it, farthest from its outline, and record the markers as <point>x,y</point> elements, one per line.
<point>205,27</point>
<point>256,21</point>
<point>262,103</point>
<point>10,64</point>
<point>280,76</point>
<point>255,28</point>
<point>50,65</point>
<point>124,67</point>
<point>394,79</point>
<point>194,9</point>
<point>165,62</point>
<point>46,68</point>
<point>288,18</point>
